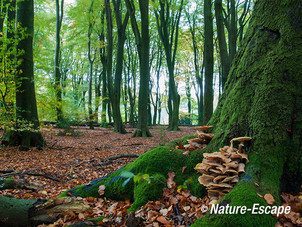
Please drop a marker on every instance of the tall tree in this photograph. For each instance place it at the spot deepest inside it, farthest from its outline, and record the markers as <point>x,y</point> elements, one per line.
<point>167,19</point>
<point>208,61</point>
<point>27,122</point>
<point>223,49</point>
<point>192,18</point>
<point>58,85</point>
<point>114,87</point>
<point>143,45</point>
<point>91,59</point>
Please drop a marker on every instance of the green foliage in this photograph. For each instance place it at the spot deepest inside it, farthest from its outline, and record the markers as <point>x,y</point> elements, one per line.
<point>9,39</point>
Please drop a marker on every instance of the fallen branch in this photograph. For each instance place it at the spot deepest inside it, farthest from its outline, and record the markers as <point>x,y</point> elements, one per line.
<point>121,156</point>
<point>29,172</point>
<point>7,171</point>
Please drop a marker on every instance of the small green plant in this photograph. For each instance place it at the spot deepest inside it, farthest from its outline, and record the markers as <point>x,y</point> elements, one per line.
<point>136,178</point>
<point>185,185</point>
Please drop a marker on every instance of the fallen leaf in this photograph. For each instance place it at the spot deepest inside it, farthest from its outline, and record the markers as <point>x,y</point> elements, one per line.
<point>162,220</point>
<point>101,190</point>
<point>269,199</point>
<point>183,169</point>
<point>170,181</point>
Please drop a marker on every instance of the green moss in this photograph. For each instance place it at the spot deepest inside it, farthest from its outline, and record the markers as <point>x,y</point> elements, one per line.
<point>157,163</point>
<point>183,141</point>
<point>243,194</point>
<point>14,212</point>
<point>145,191</point>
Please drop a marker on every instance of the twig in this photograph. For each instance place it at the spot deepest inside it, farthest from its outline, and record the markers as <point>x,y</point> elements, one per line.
<point>7,171</point>
<point>31,173</point>
<point>121,156</point>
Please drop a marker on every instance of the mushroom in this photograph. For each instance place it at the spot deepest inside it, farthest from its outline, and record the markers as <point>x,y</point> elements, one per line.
<point>217,155</point>
<point>240,139</point>
<point>241,168</point>
<point>233,164</point>
<point>205,179</point>
<point>221,185</point>
<point>218,178</point>
<point>204,128</point>
<point>229,179</point>
<point>221,169</point>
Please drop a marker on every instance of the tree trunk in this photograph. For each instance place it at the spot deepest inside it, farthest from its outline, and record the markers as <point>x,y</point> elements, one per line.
<point>115,88</point>
<point>223,50</point>
<point>58,87</point>
<point>26,107</point>
<point>91,60</point>
<point>208,61</point>
<point>264,102</point>
<point>143,45</point>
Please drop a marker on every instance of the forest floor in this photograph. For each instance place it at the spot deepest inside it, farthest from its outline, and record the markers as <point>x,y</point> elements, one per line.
<point>78,156</point>
<point>74,158</point>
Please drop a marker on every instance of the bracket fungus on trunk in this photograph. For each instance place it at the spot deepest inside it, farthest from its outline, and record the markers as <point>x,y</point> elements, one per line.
<point>202,139</point>
<point>221,170</point>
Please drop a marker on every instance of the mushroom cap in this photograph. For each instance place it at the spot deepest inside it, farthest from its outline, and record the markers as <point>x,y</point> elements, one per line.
<point>214,194</point>
<point>197,140</point>
<point>215,171</point>
<point>204,128</point>
<point>241,139</point>
<point>235,180</point>
<point>205,179</point>
<point>217,156</point>
<point>229,179</point>
<point>233,164</point>
<point>231,171</point>
<point>219,178</point>
<point>221,185</point>
<point>241,167</point>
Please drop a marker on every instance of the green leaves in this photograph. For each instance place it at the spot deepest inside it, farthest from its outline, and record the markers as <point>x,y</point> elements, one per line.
<point>136,178</point>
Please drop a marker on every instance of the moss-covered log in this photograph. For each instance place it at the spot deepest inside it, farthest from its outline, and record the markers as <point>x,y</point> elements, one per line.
<point>156,163</point>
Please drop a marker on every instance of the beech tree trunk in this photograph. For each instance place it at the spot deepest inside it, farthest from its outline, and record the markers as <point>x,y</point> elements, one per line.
<point>26,107</point>
<point>263,99</point>
<point>208,61</point>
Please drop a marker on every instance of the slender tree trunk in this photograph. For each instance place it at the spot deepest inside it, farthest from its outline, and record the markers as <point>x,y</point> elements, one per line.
<point>233,31</point>
<point>223,50</point>
<point>90,75</point>
<point>58,87</point>
<point>209,61</point>
<point>143,46</point>
<point>168,26</point>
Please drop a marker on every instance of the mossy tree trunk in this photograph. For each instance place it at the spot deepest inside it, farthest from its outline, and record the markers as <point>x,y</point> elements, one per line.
<point>263,99</point>
<point>142,39</point>
<point>26,108</point>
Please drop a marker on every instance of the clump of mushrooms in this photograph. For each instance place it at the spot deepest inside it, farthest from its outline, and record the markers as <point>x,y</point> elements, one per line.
<point>221,170</point>
<point>202,139</point>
